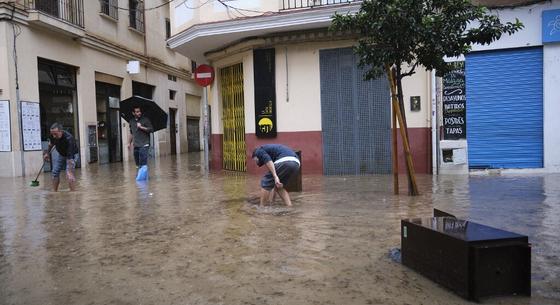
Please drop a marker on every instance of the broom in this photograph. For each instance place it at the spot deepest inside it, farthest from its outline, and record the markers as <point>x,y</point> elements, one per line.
<point>36,182</point>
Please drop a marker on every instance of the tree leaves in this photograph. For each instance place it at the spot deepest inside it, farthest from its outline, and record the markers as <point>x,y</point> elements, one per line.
<point>419,32</point>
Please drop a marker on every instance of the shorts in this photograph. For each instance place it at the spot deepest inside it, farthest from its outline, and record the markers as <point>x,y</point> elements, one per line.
<point>284,170</point>
<point>60,163</point>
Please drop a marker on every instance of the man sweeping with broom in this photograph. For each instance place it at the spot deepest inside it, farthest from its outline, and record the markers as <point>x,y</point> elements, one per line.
<point>67,149</point>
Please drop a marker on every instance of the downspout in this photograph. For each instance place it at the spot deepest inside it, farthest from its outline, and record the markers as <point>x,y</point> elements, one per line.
<point>435,140</point>
<point>18,97</point>
<point>287,77</point>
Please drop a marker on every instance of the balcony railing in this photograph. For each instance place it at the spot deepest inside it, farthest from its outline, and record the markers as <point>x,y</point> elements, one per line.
<point>71,11</point>
<point>297,4</point>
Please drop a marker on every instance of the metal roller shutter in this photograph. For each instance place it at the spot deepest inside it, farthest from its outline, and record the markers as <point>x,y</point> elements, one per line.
<point>356,117</point>
<point>505,108</point>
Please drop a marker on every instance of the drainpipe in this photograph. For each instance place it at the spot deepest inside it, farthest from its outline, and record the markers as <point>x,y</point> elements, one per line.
<point>435,140</point>
<point>287,78</point>
<point>15,29</point>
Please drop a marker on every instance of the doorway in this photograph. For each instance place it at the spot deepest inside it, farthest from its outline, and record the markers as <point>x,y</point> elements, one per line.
<point>193,133</point>
<point>355,115</point>
<point>108,123</point>
<point>234,118</point>
<point>173,130</point>
<point>58,100</point>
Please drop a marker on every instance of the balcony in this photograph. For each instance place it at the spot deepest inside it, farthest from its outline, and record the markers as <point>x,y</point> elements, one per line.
<point>64,16</point>
<point>303,4</point>
<point>210,29</point>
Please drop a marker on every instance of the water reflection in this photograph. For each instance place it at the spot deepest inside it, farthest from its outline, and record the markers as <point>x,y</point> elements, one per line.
<point>189,236</point>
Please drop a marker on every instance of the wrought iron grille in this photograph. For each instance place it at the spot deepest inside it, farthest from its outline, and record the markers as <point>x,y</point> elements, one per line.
<point>110,8</point>
<point>136,17</point>
<point>234,146</point>
<point>68,10</point>
<point>295,4</point>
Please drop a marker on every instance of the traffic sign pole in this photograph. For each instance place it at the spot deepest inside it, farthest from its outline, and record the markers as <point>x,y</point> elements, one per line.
<point>204,76</point>
<point>206,129</point>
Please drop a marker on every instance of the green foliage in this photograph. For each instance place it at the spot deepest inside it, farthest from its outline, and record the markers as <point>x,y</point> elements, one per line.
<point>419,32</point>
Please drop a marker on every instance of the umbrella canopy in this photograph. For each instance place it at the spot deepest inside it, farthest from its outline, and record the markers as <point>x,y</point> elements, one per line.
<point>149,108</point>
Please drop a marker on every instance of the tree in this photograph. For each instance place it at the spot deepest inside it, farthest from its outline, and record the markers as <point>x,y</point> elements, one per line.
<point>398,36</point>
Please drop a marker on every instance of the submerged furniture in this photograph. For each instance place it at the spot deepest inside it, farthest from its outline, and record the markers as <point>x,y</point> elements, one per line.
<point>471,259</point>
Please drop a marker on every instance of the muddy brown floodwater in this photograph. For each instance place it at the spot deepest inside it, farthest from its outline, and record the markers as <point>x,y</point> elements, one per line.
<point>190,237</point>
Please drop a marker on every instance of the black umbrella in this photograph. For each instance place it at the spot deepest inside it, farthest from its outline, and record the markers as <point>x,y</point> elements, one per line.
<point>149,108</point>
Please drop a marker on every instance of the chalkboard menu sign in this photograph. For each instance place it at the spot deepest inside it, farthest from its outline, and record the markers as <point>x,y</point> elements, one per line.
<point>265,93</point>
<point>454,100</point>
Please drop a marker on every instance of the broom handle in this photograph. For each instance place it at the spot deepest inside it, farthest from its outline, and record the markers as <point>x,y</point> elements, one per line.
<point>40,170</point>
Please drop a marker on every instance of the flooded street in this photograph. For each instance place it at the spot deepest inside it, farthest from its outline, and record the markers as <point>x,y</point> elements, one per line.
<point>190,237</point>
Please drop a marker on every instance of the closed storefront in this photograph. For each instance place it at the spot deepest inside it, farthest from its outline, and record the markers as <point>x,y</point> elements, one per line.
<point>356,117</point>
<point>505,108</point>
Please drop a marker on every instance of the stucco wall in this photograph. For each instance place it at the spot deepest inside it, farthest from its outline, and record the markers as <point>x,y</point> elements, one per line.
<point>119,32</point>
<point>551,62</point>
<point>188,13</point>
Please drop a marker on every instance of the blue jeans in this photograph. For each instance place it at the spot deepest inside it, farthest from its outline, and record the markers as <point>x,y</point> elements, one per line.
<point>60,163</point>
<point>141,155</point>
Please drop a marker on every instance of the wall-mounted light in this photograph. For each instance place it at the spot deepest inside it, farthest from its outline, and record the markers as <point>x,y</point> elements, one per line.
<point>133,67</point>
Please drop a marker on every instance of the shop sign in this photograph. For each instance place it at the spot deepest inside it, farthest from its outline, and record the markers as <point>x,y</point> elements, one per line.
<point>551,26</point>
<point>454,103</point>
<point>265,93</point>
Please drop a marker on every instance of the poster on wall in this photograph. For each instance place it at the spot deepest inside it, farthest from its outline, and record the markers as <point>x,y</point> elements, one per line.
<point>265,93</point>
<point>5,127</point>
<point>31,125</point>
<point>454,100</point>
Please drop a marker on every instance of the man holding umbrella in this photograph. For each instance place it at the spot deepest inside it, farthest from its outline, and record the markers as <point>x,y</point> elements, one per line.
<point>140,129</point>
<point>144,116</point>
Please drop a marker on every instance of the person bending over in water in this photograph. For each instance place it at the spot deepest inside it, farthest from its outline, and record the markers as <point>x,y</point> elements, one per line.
<point>282,163</point>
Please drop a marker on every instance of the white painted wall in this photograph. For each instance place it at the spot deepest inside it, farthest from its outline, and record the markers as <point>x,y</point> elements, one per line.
<point>214,95</point>
<point>551,62</point>
<point>185,14</point>
<point>418,85</point>
<point>530,16</point>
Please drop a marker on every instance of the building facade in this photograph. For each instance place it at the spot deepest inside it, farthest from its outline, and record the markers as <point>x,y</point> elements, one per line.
<point>72,61</point>
<point>512,96</point>
<point>282,77</point>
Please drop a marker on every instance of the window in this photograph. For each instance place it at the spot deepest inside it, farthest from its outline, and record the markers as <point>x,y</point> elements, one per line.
<point>193,66</point>
<point>67,10</point>
<point>136,10</point>
<point>172,94</point>
<point>172,78</point>
<point>167,28</point>
<point>110,8</point>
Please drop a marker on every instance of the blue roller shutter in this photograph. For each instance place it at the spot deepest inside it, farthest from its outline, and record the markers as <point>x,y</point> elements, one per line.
<point>505,108</point>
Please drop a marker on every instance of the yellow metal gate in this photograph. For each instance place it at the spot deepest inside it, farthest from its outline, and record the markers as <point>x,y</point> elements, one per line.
<point>233,118</point>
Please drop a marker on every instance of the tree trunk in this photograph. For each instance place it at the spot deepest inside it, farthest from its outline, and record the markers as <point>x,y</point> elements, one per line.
<point>398,105</point>
<point>410,173</point>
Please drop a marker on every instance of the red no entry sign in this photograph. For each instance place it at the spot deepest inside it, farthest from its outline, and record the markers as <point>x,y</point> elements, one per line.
<point>204,75</point>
